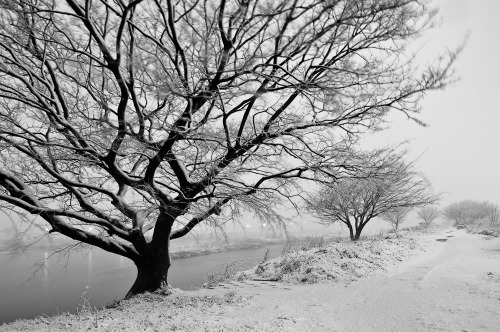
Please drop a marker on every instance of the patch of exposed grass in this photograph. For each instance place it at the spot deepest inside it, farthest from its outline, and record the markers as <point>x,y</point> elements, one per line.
<point>224,272</point>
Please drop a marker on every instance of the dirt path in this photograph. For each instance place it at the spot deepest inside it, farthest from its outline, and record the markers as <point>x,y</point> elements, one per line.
<point>455,286</point>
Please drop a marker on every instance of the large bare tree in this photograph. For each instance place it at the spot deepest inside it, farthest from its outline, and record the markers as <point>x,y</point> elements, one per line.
<point>391,189</point>
<point>159,115</point>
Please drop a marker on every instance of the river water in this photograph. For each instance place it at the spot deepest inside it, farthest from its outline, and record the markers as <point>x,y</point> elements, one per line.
<point>99,276</point>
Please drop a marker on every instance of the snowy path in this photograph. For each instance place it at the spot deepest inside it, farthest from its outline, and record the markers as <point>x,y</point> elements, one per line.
<point>453,287</point>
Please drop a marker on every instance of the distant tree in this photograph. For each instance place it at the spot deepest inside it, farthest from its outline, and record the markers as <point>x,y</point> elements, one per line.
<point>492,212</point>
<point>392,186</point>
<point>428,214</point>
<point>145,119</point>
<point>465,212</point>
<point>396,216</point>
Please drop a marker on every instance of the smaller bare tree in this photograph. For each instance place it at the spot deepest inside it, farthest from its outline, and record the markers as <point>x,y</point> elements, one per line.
<point>492,212</point>
<point>386,184</point>
<point>465,212</point>
<point>396,216</point>
<point>428,214</point>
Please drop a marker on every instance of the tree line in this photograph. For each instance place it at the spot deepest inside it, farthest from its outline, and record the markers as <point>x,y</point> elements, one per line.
<point>469,211</point>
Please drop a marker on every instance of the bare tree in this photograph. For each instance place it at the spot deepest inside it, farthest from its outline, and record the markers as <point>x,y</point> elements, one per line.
<point>396,216</point>
<point>138,116</point>
<point>428,214</point>
<point>465,212</point>
<point>392,186</point>
<point>492,212</point>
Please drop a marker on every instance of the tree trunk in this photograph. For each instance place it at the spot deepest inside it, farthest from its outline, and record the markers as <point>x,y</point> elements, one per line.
<point>153,265</point>
<point>358,232</point>
<point>351,232</point>
<point>151,275</point>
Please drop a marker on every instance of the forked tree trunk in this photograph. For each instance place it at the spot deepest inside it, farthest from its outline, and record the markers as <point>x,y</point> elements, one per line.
<point>354,235</point>
<point>358,232</point>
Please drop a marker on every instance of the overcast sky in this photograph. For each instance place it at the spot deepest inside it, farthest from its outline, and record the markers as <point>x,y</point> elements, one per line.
<point>461,146</point>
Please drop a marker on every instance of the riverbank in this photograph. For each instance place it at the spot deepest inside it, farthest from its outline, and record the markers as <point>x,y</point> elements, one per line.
<point>270,296</point>
<point>103,276</point>
<point>247,243</point>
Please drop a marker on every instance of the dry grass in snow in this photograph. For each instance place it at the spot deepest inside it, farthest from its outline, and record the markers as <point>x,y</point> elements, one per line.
<point>175,311</point>
<point>333,262</point>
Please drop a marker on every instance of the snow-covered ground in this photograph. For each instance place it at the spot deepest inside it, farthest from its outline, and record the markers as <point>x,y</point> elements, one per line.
<point>414,283</point>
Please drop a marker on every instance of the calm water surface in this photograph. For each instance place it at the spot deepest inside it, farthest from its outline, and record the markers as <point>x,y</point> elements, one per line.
<point>58,288</point>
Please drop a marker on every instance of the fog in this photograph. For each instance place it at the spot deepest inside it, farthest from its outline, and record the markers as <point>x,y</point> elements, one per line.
<point>458,150</point>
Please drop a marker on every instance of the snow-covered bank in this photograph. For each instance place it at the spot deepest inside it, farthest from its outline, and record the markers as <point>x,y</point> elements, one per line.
<point>334,262</point>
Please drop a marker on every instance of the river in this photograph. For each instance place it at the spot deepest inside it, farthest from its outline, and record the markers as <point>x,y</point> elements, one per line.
<point>99,276</point>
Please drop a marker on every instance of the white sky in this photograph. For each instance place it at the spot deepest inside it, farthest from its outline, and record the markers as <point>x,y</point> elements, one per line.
<point>460,149</point>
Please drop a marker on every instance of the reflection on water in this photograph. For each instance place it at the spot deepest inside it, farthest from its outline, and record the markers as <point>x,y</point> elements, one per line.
<point>45,268</point>
<point>61,282</point>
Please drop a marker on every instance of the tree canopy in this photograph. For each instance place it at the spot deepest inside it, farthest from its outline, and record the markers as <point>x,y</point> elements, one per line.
<point>396,216</point>
<point>428,214</point>
<point>154,115</point>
